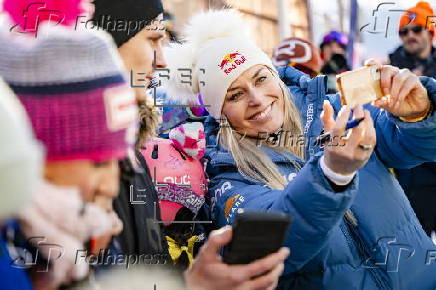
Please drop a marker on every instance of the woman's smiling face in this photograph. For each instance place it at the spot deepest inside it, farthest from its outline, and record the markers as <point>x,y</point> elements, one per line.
<point>254,102</point>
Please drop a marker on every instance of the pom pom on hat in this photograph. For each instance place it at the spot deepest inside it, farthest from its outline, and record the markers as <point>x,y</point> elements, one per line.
<point>226,23</point>
<point>190,139</point>
<point>179,88</point>
<point>28,13</point>
<point>216,55</point>
<point>183,56</point>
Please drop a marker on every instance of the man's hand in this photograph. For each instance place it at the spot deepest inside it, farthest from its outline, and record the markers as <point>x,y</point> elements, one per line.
<point>209,272</point>
<point>407,96</point>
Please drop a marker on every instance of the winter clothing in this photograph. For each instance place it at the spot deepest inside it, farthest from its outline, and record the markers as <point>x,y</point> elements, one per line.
<point>59,215</point>
<point>420,15</point>
<point>29,15</point>
<point>189,138</point>
<point>173,170</point>
<point>173,116</point>
<point>181,184</point>
<point>20,154</point>
<point>136,205</point>
<point>335,36</point>
<point>12,278</point>
<point>111,15</point>
<point>337,63</point>
<point>211,56</point>
<point>299,53</point>
<point>328,251</point>
<point>419,183</point>
<point>402,59</point>
<point>20,160</point>
<point>72,87</point>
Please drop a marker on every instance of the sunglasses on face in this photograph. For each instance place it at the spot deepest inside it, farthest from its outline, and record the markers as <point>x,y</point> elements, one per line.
<point>416,29</point>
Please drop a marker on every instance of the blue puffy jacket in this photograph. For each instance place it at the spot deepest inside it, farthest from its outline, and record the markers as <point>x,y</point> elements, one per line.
<point>13,275</point>
<point>386,249</point>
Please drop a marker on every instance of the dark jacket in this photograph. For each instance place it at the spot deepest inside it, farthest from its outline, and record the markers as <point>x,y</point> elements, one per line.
<point>138,208</point>
<point>419,183</point>
<point>402,59</point>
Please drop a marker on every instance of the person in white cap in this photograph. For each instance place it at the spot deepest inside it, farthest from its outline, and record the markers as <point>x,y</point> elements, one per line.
<point>343,200</point>
<point>21,160</point>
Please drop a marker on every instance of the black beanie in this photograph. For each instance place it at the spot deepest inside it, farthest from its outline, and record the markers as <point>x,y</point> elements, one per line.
<point>123,19</point>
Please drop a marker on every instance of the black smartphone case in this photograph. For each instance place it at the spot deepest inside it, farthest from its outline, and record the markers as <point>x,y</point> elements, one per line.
<point>256,235</point>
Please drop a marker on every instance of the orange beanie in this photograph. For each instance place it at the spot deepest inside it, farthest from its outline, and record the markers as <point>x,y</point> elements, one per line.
<point>422,14</point>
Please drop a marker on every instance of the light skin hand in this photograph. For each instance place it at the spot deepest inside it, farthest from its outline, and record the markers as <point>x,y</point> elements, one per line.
<point>209,272</point>
<point>407,96</point>
<point>349,157</point>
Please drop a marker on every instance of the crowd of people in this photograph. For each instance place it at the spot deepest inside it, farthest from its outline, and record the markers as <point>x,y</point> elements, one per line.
<point>128,152</point>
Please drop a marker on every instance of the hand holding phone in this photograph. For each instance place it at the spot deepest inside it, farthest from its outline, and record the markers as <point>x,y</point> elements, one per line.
<point>256,235</point>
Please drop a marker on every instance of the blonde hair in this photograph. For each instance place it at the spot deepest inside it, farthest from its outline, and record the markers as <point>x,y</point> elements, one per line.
<point>149,120</point>
<point>250,159</point>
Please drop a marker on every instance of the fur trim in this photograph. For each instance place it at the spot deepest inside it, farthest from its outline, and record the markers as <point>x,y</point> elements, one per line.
<point>180,88</point>
<point>223,23</point>
<point>149,120</point>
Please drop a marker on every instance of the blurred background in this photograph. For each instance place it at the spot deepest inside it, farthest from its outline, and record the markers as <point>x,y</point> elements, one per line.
<point>370,24</point>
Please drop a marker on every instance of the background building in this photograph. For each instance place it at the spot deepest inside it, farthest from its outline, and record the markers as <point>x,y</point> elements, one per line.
<point>262,15</point>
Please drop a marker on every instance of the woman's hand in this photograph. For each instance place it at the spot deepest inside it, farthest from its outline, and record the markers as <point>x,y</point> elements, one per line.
<point>407,97</point>
<point>351,152</point>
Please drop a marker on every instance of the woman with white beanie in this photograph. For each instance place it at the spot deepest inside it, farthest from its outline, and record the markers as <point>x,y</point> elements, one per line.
<point>348,211</point>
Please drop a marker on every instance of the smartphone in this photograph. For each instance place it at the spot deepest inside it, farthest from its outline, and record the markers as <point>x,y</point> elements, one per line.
<point>256,235</point>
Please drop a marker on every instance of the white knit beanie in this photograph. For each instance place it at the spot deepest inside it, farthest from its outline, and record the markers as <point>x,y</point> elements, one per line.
<point>217,51</point>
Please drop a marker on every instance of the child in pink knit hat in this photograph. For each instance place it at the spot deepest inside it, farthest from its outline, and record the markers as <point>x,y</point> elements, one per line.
<point>82,110</point>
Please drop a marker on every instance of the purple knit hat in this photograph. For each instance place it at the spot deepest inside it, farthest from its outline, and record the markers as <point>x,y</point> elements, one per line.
<point>72,86</point>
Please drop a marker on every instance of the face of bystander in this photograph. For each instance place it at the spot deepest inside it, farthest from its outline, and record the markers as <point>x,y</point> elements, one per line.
<point>330,49</point>
<point>416,40</point>
<point>98,182</point>
<point>138,54</point>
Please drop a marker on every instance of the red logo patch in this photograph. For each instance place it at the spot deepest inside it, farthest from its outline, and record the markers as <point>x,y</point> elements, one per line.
<point>231,61</point>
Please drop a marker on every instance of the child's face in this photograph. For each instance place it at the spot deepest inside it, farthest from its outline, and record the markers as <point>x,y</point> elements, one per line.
<point>98,182</point>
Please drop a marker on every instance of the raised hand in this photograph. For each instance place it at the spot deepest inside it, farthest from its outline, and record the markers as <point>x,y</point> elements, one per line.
<point>351,152</point>
<point>406,96</point>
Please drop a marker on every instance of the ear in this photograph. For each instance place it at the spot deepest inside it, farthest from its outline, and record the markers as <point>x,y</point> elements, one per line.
<point>189,138</point>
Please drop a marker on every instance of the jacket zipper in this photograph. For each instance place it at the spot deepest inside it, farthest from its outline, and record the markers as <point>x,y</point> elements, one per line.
<point>353,238</point>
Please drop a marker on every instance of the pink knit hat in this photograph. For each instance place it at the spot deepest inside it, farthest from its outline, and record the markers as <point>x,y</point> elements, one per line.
<point>73,89</point>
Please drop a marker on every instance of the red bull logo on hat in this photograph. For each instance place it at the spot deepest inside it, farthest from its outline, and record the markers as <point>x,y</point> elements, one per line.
<point>230,61</point>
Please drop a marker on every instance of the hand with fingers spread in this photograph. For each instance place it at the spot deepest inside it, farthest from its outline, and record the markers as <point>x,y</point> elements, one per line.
<point>209,271</point>
<point>407,96</point>
<point>354,150</point>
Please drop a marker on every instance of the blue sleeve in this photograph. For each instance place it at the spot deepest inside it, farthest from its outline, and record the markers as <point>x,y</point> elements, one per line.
<point>308,199</point>
<point>402,144</point>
